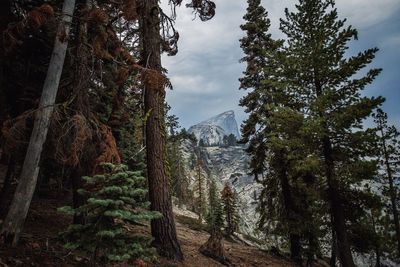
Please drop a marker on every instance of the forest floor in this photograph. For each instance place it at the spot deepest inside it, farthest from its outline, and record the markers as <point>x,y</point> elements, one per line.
<point>40,244</point>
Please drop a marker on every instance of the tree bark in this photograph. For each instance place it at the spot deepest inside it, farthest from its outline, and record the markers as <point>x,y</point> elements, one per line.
<point>27,183</point>
<point>339,221</point>
<point>163,230</point>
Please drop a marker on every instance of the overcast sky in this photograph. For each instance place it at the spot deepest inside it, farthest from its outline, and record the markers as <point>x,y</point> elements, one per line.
<point>206,70</point>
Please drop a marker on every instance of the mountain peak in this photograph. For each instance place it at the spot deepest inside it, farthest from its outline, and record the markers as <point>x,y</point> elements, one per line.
<point>213,129</point>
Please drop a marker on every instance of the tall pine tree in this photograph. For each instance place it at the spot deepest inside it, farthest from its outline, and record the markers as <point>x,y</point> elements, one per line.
<point>317,69</point>
<point>265,98</point>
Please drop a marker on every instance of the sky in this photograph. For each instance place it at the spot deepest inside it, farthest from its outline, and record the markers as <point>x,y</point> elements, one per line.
<point>206,70</point>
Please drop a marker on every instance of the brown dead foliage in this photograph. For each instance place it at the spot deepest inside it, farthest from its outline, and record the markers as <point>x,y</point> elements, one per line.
<point>97,16</point>
<point>76,133</point>
<point>108,149</point>
<point>154,80</point>
<point>35,19</point>
<point>39,16</point>
<point>129,10</point>
<point>15,132</point>
<point>121,76</point>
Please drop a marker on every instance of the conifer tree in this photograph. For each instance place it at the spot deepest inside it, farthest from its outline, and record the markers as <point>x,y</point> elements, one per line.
<point>389,147</point>
<point>266,98</point>
<point>214,247</point>
<point>259,49</point>
<point>200,188</point>
<point>229,201</point>
<point>175,139</point>
<point>323,78</point>
<point>152,22</point>
<point>115,201</point>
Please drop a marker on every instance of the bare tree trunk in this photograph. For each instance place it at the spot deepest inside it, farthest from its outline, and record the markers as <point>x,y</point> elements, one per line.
<point>163,229</point>
<point>214,248</point>
<point>27,183</point>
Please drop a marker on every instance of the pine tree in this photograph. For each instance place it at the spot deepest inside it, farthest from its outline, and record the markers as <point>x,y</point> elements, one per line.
<point>175,139</point>
<point>116,200</point>
<point>163,229</point>
<point>214,247</point>
<point>267,104</point>
<point>229,201</point>
<point>389,147</point>
<point>323,78</point>
<point>259,49</point>
<point>200,187</point>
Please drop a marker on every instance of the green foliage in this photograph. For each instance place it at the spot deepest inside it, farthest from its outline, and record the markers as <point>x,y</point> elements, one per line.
<point>229,140</point>
<point>230,206</point>
<point>116,200</point>
<point>388,145</point>
<point>175,139</point>
<point>215,215</point>
<point>305,129</point>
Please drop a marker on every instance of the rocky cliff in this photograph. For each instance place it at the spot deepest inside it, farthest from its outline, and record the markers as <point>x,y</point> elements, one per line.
<point>225,164</point>
<point>213,130</point>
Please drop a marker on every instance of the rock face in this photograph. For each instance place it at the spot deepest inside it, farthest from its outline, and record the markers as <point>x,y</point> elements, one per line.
<point>213,130</point>
<point>231,165</point>
<point>225,164</point>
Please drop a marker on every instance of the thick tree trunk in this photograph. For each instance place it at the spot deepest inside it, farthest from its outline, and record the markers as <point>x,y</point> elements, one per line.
<point>163,230</point>
<point>337,212</point>
<point>27,183</point>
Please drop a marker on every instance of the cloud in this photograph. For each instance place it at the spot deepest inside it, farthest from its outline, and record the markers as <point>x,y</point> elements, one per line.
<point>206,70</point>
<point>391,41</point>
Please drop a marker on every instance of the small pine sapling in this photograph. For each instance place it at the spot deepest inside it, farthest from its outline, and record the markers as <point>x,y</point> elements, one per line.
<point>116,200</point>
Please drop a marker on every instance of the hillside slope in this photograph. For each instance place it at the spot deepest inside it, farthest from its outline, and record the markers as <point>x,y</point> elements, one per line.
<point>40,244</point>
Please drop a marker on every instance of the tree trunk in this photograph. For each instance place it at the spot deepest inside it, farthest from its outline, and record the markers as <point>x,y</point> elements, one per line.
<point>27,183</point>
<point>214,248</point>
<point>392,192</point>
<point>163,230</point>
<point>294,238</point>
<point>332,262</point>
<point>337,212</point>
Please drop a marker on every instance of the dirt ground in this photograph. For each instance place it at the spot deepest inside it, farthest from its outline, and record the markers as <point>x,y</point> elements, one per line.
<point>40,245</point>
<point>240,255</point>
